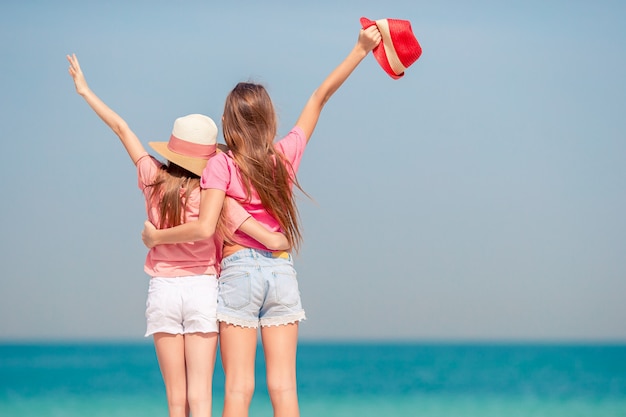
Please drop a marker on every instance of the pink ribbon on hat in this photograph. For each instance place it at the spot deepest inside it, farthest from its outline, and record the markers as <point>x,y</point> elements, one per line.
<point>195,150</point>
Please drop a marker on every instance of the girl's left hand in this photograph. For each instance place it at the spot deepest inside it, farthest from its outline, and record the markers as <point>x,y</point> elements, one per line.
<point>279,242</point>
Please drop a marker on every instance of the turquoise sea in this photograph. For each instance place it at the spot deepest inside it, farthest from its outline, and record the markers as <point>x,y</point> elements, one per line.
<point>335,379</point>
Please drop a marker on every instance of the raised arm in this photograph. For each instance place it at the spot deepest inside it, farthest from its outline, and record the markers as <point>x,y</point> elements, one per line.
<point>368,39</point>
<point>130,141</point>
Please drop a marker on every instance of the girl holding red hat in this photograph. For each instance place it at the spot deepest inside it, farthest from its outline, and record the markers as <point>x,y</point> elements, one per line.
<point>258,287</point>
<point>181,306</point>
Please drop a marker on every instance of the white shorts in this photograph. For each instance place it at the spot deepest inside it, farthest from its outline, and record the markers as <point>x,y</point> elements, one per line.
<point>182,305</point>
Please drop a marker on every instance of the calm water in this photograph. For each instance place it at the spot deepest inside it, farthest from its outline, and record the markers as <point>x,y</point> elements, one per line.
<point>334,380</point>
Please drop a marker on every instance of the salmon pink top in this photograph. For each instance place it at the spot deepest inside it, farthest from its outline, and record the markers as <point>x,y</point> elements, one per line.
<point>222,173</point>
<point>182,259</point>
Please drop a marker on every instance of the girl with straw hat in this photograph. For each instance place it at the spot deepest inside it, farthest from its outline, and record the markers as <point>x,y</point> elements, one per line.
<point>181,305</point>
<point>257,286</point>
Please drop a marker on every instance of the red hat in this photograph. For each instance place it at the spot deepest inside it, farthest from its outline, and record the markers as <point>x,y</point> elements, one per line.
<point>399,47</point>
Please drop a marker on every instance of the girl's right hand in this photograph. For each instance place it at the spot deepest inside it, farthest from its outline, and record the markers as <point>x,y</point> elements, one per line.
<point>148,234</point>
<point>77,75</point>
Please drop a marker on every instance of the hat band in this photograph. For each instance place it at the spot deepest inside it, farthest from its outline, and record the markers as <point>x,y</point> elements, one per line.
<point>195,150</point>
<point>394,61</point>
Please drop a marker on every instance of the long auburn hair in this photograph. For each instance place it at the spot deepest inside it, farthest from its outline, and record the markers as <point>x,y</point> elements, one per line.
<point>166,193</point>
<point>250,127</point>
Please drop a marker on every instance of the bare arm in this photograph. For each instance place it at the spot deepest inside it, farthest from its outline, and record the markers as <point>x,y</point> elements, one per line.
<point>203,228</point>
<point>130,141</point>
<point>211,202</point>
<point>368,39</point>
<point>258,232</point>
<point>237,218</point>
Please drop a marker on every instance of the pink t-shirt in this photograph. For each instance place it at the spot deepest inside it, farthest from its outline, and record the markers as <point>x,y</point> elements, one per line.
<point>182,259</point>
<point>221,173</point>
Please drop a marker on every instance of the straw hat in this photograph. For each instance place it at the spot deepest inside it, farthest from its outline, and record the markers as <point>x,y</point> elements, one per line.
<point>399,48</point>
<point>192,143</point>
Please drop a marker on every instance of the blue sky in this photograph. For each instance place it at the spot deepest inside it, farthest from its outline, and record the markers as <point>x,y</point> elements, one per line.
<point>480,197</point>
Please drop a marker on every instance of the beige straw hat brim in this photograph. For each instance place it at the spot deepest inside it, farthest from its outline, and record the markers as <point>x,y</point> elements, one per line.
<point>191,164</point>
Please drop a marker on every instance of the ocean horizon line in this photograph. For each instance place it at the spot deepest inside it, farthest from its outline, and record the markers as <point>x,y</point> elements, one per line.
<point>341,341</point>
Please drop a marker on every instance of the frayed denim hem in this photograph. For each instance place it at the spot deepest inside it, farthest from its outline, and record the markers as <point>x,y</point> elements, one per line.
<point>283,320</point>
<point>238,322</point>
<point>264,322</point>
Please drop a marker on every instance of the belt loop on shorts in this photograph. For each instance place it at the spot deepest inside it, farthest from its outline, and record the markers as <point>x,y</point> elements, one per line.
<point>280,254</point>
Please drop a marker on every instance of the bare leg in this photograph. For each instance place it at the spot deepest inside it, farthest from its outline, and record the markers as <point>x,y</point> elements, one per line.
<point>200,350</point>
<point>280,345</point>
<point>170,350</point>
<point>238,351</point>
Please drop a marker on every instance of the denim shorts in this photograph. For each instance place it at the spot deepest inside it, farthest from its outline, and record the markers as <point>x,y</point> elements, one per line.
<point>182,305</point>
<point>258,288</point>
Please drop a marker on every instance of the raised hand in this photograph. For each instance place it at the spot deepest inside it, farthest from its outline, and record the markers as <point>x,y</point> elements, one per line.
<point>77,75</point>
<point>369,38</point>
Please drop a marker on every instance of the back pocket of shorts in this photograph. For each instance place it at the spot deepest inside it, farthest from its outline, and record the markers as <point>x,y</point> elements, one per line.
<point>287,292</point>
<point>234,289</point>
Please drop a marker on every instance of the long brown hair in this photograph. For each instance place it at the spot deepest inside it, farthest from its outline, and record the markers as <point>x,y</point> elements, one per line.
<point>166,193</point>
<point>249,131</point>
